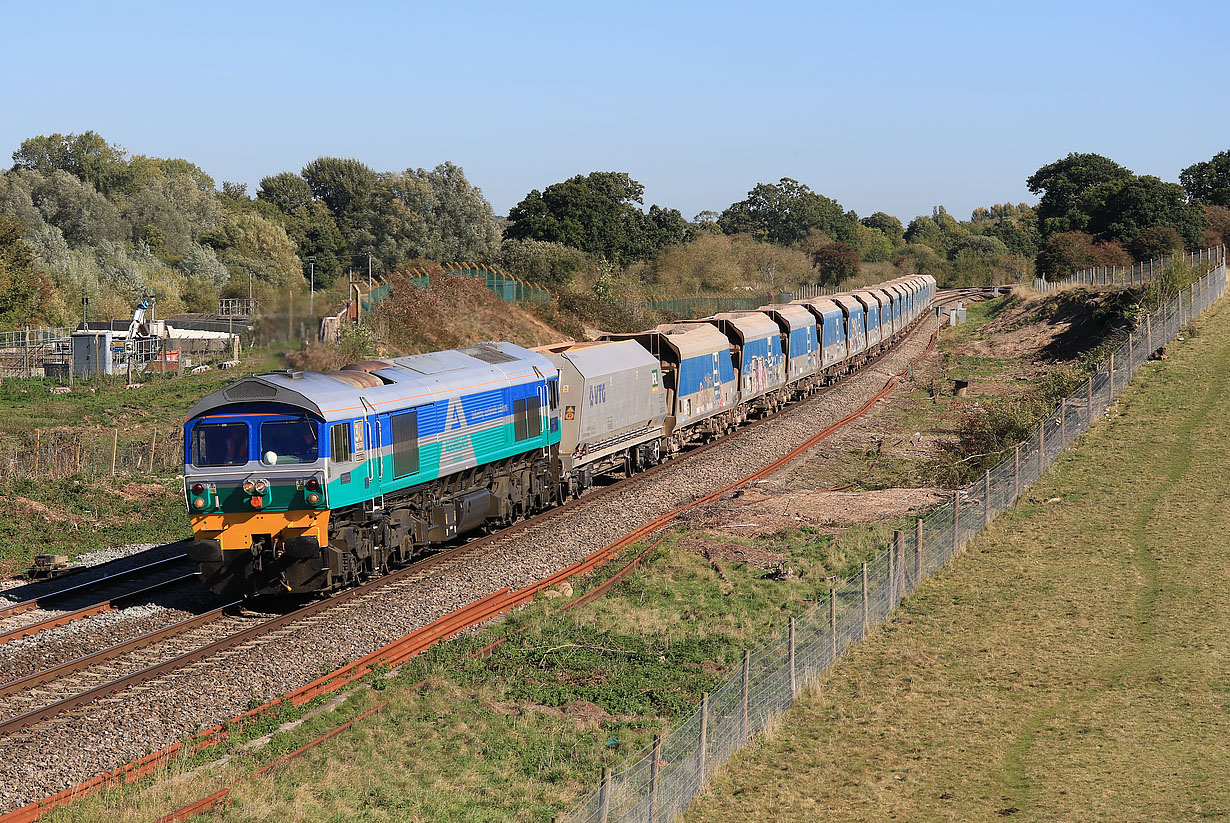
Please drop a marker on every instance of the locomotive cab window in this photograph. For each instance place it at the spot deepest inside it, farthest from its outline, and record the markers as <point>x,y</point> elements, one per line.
<point>553,394</point>
<point>339,443</point>
<point>220,444</point>
<point>288,441</point>
<point>527,418</point>
<point>405,443</point>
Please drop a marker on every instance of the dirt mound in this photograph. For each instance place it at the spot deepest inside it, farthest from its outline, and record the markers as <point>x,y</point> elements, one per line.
<point>1049,328</point>
<point>721,552</point>
<point>454,312</point>
<point>762,511</point>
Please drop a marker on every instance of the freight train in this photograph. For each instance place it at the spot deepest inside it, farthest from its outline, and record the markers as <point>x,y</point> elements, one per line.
<point>300,482</point>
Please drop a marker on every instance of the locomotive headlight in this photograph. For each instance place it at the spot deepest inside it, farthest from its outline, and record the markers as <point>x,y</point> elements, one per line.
<point>249,487</point>
<point>312,484</point>
<point>198,488</point>
<point>260,485</point>
<point>313,498</point>
<point>198,502</point>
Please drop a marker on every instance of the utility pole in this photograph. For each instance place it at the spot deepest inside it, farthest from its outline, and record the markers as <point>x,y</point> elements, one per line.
<point>369,271</point>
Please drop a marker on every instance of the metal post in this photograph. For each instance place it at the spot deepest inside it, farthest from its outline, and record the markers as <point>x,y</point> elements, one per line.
<point>790,655</point>
<point>956,519</point>
<point>747,677</point>
<point>1016,473</point>
<point>604,795</point>
<point>153,442</point>
<point>312,287</point>
<point>704,737</point>
<point>866,607</point>
<point>1063,422</point>
<point>892,575</point>
<point>1041,446</point>
<point>918,551</point>
<point>653,778</point>
<point>369,271</point>
<point>1110,387</point>
<point>899,563</point>
<point>26,350</point>
<point>832,627</point>
<point>1131,353</point>
<point>1090,409</point>
<point>115,442</point>
<point>986,498</point>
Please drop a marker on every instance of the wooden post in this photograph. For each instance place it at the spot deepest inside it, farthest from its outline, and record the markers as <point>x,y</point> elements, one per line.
<point>917,551</point>
<point>1016,472</point>
<point>26,350</point>
<point>1090,408</point>
<point>604,796</point>
<point>1110,388</point>
<point>1063,422</point>
<point>1149,336</point>
<point>152,442</point>
<point>790,654</point>
<point>115,442</point>
<point>747,678</point>
<point>37,444</point>
<point>1131,353</point>
<point>866,607</point>
<point>653,778</point>
<point>986,498</point>
<point>833,626</point>
<point>704,737</point>
<point>956,519</point>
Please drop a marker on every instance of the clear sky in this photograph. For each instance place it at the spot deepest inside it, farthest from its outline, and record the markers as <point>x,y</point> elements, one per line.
<point>892,106</point>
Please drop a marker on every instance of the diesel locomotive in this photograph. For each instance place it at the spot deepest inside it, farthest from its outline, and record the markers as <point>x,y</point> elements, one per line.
<point>301,482</point>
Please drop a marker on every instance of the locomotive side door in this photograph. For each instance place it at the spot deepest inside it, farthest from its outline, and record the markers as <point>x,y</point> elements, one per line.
<point>371,436</point>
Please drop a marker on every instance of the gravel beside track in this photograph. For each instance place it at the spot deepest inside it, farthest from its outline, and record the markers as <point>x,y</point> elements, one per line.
<point>67,749</point>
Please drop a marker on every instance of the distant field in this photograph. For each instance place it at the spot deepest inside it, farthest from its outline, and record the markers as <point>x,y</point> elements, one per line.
<point>1071,665</point>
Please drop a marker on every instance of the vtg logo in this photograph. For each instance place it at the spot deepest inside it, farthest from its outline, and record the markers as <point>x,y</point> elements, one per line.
<point>597,394</point>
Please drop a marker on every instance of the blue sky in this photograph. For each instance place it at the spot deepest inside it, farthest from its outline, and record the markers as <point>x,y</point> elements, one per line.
<point>883,106</point>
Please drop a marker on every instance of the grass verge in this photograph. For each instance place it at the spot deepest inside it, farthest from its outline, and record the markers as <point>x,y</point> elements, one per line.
<point>1070,665</point>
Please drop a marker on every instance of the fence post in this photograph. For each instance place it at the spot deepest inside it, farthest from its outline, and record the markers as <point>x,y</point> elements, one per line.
<point>653,778</point>
<point>866,608</point>
<point>917,551</point>
<point>115,442</point>
<point>153,442</point>
<point>1063,423</point>
<point>833,626</point>
<point>1110,389</point>
<point>986,498</point>
<point>956,519</point>
<point>1089,412</point>
<point>747,678</point>
<point>604,795</point>
<point>892,573</point>
<point>899,564</point>
<point>1131,354</point>
<point>704,737</point>
<point>1041,446</point>
<point>1149,335</point>
<point>790,654</point>
<point>1016,472</point>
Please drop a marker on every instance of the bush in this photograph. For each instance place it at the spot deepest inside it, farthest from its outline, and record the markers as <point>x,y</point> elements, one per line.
<point>835,262</point>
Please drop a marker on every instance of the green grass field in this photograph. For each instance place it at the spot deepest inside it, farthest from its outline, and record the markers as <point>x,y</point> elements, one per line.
<point>1070,665</point>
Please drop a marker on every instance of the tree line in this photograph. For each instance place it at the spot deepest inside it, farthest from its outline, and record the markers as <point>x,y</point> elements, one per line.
<point>83,218</point>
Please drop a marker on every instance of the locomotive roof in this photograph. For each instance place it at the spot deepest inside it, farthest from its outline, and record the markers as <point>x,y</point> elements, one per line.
<point>408,381</point>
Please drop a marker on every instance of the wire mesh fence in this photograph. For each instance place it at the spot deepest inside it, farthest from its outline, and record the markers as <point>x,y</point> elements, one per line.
<point>1136,274</point>
<point>128,452</point>
<point>658,783</point>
